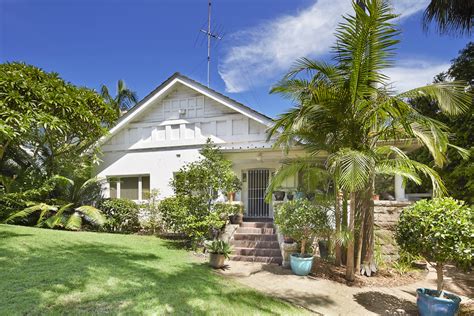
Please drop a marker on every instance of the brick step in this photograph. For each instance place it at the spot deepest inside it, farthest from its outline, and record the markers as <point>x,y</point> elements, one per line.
<point>253,230</point>
<point>257,224</point>
<point>259,252</point>
<point>255,237</point>
<point>276,260</point>
<point>257,219</point>
<point>255,244</point>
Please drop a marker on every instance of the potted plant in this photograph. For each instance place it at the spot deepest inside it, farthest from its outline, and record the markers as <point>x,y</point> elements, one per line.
<point>300,220</point>
<point>234,186</point>
<point>218,250</point>
<point>236,216</point>
<point>440,231</point>
<point>279,195</point>
<point>290,195</point>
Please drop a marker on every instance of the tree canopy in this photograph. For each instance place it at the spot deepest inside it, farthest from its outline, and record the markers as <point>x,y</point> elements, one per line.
<point>46,123</point>
<point>347,111</point>
<point>458,172</point>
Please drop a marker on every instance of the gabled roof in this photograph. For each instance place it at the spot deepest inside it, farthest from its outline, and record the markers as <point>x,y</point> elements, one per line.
<point>179,78</point>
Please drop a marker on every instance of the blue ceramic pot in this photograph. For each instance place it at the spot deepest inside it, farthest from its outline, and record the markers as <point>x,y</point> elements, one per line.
<point>299,195</point>
<point>429,304</point>
<point>301,265</point>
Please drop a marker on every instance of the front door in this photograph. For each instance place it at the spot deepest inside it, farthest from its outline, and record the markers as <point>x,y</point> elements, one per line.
<point>257,180</point>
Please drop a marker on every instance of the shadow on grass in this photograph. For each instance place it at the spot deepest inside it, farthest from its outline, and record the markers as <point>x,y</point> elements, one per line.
<point>7,234</point>
<point>177,244</point>
<point>106,278</point>
<point>385,304</point>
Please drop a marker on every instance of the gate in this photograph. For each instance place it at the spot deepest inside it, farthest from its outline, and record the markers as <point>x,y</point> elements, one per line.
<point>257,185</point>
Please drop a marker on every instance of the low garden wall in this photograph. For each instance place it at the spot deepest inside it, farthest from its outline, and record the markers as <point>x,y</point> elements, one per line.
<point>386,214</point>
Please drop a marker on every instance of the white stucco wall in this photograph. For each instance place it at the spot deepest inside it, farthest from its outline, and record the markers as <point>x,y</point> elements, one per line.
<point>169,134</point>
<point>159,164</point>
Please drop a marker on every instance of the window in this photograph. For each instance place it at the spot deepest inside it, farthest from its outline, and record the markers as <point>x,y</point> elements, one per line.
<point>130,187</point>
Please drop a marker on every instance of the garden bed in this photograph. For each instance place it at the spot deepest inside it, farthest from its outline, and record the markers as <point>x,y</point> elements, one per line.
<point>384,277</point>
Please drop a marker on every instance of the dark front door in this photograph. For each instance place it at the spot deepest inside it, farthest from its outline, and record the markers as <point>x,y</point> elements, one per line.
<point>257,185</point>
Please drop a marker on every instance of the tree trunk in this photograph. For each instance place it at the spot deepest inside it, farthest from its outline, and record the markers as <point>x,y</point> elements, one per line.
<point>369,266</point>
<point>344,225</point>
<point>350,245</point>
<point>439,275</point>
<point>361,219</point>
<point>338,228</point>
<point>303,247</point>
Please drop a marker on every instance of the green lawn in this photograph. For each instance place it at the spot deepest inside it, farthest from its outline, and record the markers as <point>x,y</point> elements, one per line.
<point>55,272</point>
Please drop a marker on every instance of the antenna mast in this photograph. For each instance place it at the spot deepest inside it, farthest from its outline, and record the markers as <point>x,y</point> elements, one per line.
<point>210,36</point>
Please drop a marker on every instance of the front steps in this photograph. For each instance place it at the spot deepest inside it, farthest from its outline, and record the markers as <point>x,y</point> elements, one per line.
<point>256,242</point>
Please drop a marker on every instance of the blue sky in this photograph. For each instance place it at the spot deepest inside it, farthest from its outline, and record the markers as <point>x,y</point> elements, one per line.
<point>94,42</point>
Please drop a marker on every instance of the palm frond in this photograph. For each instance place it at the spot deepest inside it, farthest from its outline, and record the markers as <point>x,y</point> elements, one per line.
<point>58,218</point>
<point>292,167</point>
<point>74,222</point>
<point>42,207</point>
<point>451,97</point>
<point>92,214</point>
<point>451,16</point>
<point>351,168</point>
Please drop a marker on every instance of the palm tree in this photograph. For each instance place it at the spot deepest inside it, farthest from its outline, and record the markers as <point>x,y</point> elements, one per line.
<point>72,206</point>
<point>124,99</point>
<point>450,15</point>
<point>347,112</point>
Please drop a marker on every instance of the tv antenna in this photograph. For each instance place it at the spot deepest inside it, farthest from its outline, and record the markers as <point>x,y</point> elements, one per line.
<point>210,35</point>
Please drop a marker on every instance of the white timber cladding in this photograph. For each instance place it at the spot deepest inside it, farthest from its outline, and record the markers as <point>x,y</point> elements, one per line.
<point>169,132</point>
<point>185,117</point>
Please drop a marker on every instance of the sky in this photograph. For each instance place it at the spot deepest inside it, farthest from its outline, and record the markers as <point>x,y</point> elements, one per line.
<point>95,42</point>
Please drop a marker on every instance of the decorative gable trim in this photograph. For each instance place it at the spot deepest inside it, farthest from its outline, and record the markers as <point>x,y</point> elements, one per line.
<point>167,85</point>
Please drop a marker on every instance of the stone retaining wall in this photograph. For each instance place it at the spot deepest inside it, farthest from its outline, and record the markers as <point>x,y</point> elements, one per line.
<point>386,214</point>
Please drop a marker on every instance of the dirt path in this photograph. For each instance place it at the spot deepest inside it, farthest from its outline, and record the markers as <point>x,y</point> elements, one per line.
<point>332,298</point>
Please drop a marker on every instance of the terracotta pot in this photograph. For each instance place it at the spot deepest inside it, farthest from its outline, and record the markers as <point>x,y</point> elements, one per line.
<point>231,196</point>
<point>216,260</point>
<point>375,197</point>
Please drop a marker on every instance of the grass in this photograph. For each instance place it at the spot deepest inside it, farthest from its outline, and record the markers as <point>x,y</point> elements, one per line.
<point>57,272</point>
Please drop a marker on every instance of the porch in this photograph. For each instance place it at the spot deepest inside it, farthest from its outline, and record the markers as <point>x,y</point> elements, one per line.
<point>256,168</point>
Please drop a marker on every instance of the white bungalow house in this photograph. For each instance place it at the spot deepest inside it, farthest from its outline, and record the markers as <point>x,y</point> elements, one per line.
<point>167,128</point>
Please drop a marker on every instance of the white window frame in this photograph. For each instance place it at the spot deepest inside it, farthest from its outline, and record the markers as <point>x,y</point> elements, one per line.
<point>118,185</point>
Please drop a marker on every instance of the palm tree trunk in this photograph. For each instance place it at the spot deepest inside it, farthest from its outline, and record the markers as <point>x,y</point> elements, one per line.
<point>338,249</point>
<point>360,239</point>
<point>344,225</point>
<point>350,246</point>
<point>369,266</point>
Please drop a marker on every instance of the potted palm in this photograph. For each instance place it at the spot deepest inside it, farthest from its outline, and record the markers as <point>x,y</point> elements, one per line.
<point>218,250</point>
<point>440,231</point>
<point>300,220</point>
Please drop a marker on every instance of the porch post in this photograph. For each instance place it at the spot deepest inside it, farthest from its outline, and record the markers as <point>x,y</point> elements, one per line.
<point>399,188</point>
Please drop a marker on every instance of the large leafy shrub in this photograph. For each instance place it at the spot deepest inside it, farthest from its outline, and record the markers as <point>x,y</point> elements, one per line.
<point>197,185</point>
<point>46,126</point>
<point>190,216</point>
<point>67,204</point>
<point>440,230</point>
<point>122,215</point>
<point>301,220</point>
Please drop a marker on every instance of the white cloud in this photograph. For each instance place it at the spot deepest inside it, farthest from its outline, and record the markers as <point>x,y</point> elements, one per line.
<point>261,53</point>
<point>409,74</point>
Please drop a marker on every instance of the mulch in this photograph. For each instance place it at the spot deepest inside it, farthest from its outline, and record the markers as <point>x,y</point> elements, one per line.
<point>383,278</point>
